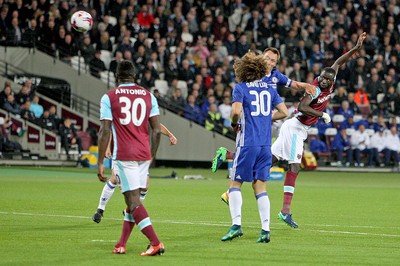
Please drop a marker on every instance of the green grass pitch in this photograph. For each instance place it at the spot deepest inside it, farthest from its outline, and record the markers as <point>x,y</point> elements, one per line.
<point>344,219</point>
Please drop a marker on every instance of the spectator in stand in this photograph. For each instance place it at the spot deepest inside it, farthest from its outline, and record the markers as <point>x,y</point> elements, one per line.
<point>390,99</point>
<point>23,95</point>
<point>340,144</point>
<point>203,51</point>
<point>171,71</point>
<point>293,95</point>
<point>377,146</point>
<point>177,99</point>
<point>87,49</point>
<point>380,123</point>
<point>317,146</point>
<point>145,18</point>
<point>11,105</point>
<point>345,110</point>
<point>5,143</point>
<point>361,97</point>
<point>374,85</point>
<point>104,43</point>
<point>46,122</point>
<point>242,45</point>
<point>26,112</point>
<point>147,81</point>
<point>192,111</point>
<point>185,73</point>
<point>360,142</point>
<point>230,44</point>
<point>225,108</point>
<point>349,123</point>
<point>67,49</point>
<point>392,146</point>
<point>381,110</point>
<point>14,33</point>
<point>96,65</point>
<point>368,123</point>
<point>56,120</point>
<point>352,105</point>
<point>4,94</point>
<point>114,63</point>
<point>393,123</point>
<point>69,137</point>
<point>214,120</point>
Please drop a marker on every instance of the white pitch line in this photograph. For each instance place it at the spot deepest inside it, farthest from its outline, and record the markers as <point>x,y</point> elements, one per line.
<point>215,224</point>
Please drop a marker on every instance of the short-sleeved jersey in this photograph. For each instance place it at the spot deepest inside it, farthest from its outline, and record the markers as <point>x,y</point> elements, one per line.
<point>276,78</point>
<point>319,102</point>
<point>258,100</point>
<point>129,107</point>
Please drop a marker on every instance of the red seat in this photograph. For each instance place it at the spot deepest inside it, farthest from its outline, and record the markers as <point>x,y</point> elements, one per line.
<point>86,139</point>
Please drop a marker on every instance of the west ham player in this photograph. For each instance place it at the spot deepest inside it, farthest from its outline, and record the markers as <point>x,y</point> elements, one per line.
<point>274,78</point>
<point>289,145</point>
<point>109,187</point>
<point>128,110</point>
<point>253,102</point>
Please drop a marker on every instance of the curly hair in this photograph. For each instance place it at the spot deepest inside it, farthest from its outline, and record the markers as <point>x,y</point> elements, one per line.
<point>250,67</point>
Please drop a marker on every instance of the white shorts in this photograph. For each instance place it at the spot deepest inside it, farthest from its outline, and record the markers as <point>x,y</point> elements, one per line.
<point>131,175</point>
<point>290,143</point>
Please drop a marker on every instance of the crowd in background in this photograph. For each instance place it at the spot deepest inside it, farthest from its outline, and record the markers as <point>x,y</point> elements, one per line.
<point>197,41</point>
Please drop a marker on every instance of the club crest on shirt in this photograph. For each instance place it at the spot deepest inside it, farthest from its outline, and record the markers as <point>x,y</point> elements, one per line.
<point>298,156</point>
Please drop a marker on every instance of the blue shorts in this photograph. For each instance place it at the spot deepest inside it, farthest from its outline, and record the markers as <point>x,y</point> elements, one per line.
<point>251,163</point>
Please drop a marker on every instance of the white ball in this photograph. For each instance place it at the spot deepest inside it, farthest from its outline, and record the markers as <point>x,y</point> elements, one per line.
<point>81,21</point>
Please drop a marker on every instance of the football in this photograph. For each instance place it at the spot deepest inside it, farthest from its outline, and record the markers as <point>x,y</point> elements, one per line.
<point>81,21</point>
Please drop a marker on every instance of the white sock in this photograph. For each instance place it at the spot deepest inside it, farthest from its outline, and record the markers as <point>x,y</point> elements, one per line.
<point>143,195</point>
<point>235,205</point>
<point>264,209</point>
<point>106,194</point>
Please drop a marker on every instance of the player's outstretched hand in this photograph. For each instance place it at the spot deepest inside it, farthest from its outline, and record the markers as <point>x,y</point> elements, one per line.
<point>173,140</point>
<point>311,90</point>
<point>326,118</point>
<point>361,40</point>
<point>100,173</point>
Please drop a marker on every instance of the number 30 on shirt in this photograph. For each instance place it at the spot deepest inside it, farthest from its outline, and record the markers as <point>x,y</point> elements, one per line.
<point>262,103</point>
<point>130,110</point>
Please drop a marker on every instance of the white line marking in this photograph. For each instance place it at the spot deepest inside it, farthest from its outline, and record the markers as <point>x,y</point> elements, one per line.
<point>105,241</point>
<point>222,224</point>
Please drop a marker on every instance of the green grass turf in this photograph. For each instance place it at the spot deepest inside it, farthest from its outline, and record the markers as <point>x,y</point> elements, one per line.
<point>344,219</point>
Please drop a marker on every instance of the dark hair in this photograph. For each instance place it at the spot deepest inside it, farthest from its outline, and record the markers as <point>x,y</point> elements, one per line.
<point>330,70</point>
<point>274,50</point>
<point>125,71</point>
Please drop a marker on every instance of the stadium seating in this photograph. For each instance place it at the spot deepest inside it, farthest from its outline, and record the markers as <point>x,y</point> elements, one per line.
<point>162,86</point>
<point>184,88</point>
<point>337,120</point>
<point>78,63</point>
<point>106,57</point>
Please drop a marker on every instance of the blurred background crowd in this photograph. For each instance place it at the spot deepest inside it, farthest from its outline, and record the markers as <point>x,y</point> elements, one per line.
<point>184,51</point>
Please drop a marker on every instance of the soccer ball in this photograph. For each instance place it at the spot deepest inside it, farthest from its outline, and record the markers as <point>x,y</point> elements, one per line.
<point>81,21</point>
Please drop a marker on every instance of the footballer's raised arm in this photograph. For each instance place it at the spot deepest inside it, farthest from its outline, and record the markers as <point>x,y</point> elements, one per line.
<point>302,86</point>
<point>281,113</point>
<point>344,58</point>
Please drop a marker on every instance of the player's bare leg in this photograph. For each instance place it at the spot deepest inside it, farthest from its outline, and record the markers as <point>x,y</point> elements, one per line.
<point>288,191</point>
